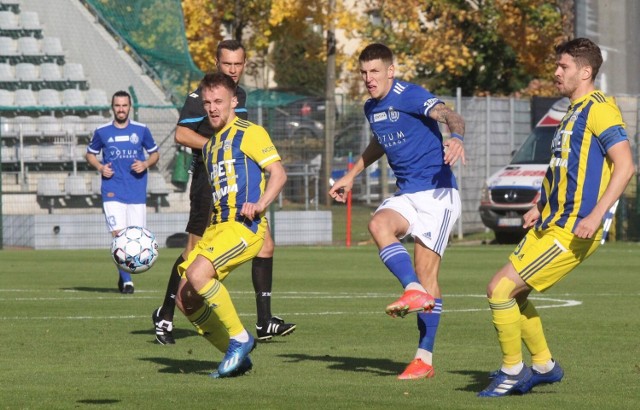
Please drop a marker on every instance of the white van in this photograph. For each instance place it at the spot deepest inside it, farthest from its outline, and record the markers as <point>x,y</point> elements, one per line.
<point>509,193</point>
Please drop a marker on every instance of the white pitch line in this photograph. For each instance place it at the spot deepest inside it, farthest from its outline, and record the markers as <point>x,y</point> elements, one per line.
<point>555,303</point>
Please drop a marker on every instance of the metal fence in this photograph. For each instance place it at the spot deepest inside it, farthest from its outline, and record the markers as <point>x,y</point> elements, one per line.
<point>35,152</point>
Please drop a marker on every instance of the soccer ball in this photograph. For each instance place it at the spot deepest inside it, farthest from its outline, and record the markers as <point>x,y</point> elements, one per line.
<point>134,249</point>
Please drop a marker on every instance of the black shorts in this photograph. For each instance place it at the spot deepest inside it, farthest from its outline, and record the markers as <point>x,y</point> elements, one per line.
<point>200,201</point>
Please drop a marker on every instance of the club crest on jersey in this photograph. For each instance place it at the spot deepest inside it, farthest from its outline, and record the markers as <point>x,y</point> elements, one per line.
<point>226,146</point>
<point>393,115</point>
<point>134,138</point>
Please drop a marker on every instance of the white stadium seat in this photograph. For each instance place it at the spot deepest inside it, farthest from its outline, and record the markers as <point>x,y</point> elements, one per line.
<point>8,21</point>
<point>25,98</point>
<point>49,98</point>
<point>74,72</point>
<point>29,47</point>
<point>29,20</point>
<point>50,72</point>
<point>97,97</point>
<point>27,72</point>
<point>50,126</point>
<point>72,125</point>
<point>75,185</point>
<point>8,47</point>
<point>27,125</point>
<point>52,46</point>
<point>72,98</point>
<point>6,98</point>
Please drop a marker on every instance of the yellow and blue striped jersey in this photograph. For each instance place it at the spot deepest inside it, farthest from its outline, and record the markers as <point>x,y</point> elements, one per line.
<point>235,159</point>
<point>579,170</point>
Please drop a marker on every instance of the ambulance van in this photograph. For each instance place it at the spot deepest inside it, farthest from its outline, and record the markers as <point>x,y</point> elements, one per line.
<point>509,193</point>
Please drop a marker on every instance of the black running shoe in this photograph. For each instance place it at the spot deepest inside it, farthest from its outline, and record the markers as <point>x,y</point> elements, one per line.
<point>127,288</point>
<point>163,329</point>
<point>274,327</point>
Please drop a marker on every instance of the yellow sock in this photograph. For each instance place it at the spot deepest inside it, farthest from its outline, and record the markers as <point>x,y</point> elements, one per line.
<point>533,334</point>
<point>210,327</point>
<point>217,296</point>
<point>506,319</point>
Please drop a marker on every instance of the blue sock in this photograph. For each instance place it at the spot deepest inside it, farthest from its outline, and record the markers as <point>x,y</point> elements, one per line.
<point>124,275</point>
<point>397,260</point>
<point>428,326</point>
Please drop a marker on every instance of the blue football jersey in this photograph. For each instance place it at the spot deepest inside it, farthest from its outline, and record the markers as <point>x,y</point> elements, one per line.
<point>411,140</point>
<point>120,147</point>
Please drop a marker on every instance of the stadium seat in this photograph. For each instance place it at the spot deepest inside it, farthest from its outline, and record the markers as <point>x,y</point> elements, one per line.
<point>96,185</point>
<point>6,98</point>
<point>8,21</point>
<point>26,125</point>
<point>94,121</point>
<point>97,97</point>
<point>75,185</point>
<point>51,76</point>
<point>79,153</point>
<point>29,153</point>
<point>30,50</point>
<point>157,189</point>
<point>49,98</point>
<point>73,126</point>
<point>25,98</point>
<point>74,75</point>
<point>52,49</point>
<point>29,21</point>
<point>9,153</point>
<point>49,186</point>
<point>50,190</point>
<point>27,72</point>
<point>8,79</point>
<point>9,50</point>
<point>50,126</point>
<point>50,152</point>
<point>73,99</point>
<point>7,127</point>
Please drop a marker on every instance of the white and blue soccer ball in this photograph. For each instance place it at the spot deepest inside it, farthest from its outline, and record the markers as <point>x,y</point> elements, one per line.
<point>134,249</point>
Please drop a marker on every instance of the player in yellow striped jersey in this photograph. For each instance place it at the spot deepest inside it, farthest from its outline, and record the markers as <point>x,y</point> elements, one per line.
<point>236,158</point>
<point>590,166</point>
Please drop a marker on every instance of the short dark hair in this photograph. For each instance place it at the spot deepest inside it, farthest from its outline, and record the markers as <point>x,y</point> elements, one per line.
<point>584,51</point>
<point>231,45</point>
<point>120,93</point>
<point>212,80</point>
<point>376,51</point>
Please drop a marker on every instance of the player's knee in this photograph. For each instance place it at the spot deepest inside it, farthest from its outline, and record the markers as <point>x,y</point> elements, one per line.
<point>377,226</point>
<point>501,288</point>
<point>268,247</point>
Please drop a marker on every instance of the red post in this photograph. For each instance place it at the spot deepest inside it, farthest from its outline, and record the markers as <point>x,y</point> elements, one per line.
<point>348,238</point>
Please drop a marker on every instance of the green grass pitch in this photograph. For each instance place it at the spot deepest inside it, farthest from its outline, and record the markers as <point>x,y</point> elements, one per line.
<point>68,339</point>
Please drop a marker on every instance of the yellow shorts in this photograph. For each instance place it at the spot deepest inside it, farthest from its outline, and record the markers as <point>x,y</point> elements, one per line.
<point>543,258</point>
<point>227,245</point>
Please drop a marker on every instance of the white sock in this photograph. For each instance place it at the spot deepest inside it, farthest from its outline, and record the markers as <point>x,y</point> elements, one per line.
<point>544,368</point>
<point>512,371</point>
<point>424,355</point>
<point>242,337</point>
<point>415,286</point>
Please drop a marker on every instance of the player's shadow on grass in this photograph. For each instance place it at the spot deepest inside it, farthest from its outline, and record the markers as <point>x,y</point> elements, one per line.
<point>175,366</point>
<point>381,367</point>
<point>93,290</point>
<point>177,334</point>
<point>479,380</point>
